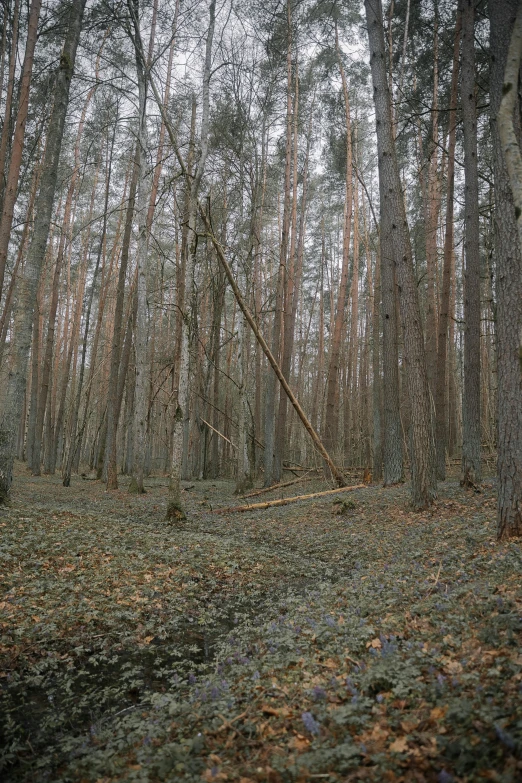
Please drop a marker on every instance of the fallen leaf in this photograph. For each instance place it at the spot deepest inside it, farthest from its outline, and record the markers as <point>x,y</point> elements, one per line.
<point>379,733</point>
<point>269,710</point>
<point>400,745</point>
<point>438,712</point>
<point>296,743</point>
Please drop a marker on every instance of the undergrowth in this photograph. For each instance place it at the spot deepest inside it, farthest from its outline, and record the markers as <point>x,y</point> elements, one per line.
<point>315,641</point>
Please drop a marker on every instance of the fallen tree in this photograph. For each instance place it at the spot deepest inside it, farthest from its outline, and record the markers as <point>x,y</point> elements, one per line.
<point>286,501</point>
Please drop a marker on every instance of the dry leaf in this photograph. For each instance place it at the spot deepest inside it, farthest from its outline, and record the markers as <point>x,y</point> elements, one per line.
<point>379,733</point>
<point>437,713</point>
<point>270,710</point>
<point>296,743</point>
<point>400,745</point>
<point>330,663</point>
<point>375,643</point>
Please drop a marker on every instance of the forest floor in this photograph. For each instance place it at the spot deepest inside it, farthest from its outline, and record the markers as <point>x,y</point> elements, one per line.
<point>338,639</point>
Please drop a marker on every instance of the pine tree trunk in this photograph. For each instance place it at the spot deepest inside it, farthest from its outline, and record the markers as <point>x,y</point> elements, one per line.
<point>332,388</point>
<point>441,386</point>
<point>394,223</point>
<point>28,283</point>
<point>471,434</point>
<point>8,106</point>
<point>11,188</point>
<point>509,281</point>
<point>270,460</point>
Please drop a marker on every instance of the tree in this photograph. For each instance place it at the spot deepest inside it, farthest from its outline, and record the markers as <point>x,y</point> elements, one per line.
<point>471,393</point>
<point>504,76</point>
<point>395,225</point>
<point>28,284</point>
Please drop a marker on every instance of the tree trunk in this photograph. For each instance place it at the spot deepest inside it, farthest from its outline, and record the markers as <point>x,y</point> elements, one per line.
<point>141,325</point>
<point>509,275</point>
<point>11,188</point>
<point>471,393</point>
<point>175,508</point>
<point>441,386</point>
<point>117,335</point>
<point>393,220</point>
<point>28,283</point>
<point>6,130</point>
<point>332,388</point>
<point>271,383</point>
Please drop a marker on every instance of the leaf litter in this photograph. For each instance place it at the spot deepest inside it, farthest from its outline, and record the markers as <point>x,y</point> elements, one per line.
<point>315,641</point>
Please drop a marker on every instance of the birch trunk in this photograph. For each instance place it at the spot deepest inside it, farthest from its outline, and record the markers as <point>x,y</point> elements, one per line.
<point>175,509</point>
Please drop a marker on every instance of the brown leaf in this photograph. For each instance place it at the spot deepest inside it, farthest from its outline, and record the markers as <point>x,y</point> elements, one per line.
<point>268,710</point>
<point>379,733</point>
<point>296,743</point>
<point>400,745</point>
<point>437,713</point>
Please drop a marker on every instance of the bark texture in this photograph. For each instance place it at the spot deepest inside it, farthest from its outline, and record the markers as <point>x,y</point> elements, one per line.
<point>509,290</point>
<point>393,219</point>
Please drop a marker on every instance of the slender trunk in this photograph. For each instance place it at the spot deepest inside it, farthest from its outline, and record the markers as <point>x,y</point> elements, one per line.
<point>112,419</point>
<point>272,461</point>
<point>314,418</point>
<point>471,395</point>
<point>142,314</point>
<point>441,390</point>
<point>289,301</point>
<point>432,218</point>
<point>332,389</point>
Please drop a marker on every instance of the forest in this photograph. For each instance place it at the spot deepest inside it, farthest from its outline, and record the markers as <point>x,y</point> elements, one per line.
<point>260,391</point>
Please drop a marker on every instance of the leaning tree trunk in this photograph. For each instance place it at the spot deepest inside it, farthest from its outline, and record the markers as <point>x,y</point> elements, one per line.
<point>508,246</point>
<point>28,283</point>
<point>393,214</point>
<point>471,392</point>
